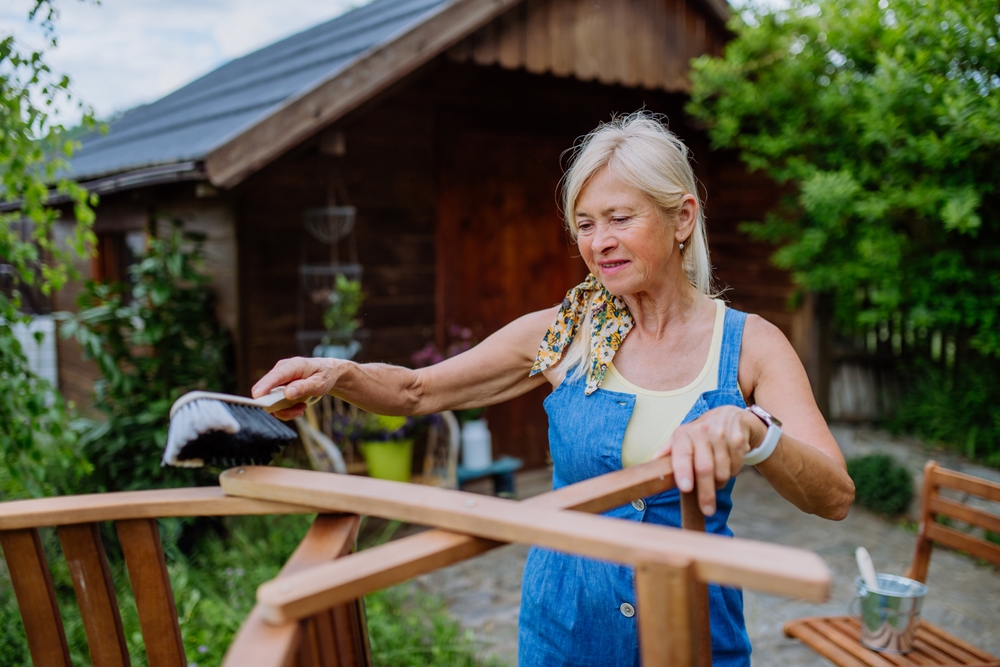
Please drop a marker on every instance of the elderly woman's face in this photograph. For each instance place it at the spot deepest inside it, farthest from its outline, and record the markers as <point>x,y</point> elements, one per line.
<point>622,236</point>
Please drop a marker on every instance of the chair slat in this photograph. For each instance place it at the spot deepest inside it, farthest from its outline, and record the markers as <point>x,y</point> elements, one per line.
<point>967,483</point>
<point>154,598</point>
<point>971,515</point>
<point>959,540</point>
<point>955,652</point>
<point>822,644</point>
<point>845,632</point>
<point>95,594</point>
<point>260,643</point>
<point>934,630</point>
<point>36,597</point>
<point>692,518</point>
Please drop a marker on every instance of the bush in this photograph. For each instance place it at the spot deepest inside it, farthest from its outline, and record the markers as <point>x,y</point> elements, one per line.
<point>152,340</point>
<point>880,484</point>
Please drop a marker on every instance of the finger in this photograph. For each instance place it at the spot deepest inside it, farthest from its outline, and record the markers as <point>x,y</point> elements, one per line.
<point>704,470</point>
<point>283,372</point>
<point>291,413</point>
<point>682,460</point>
<point>312,385</point>
<point>723,463</point>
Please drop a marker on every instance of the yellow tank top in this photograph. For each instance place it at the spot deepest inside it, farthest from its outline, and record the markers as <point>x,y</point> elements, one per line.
<point>658,413</point>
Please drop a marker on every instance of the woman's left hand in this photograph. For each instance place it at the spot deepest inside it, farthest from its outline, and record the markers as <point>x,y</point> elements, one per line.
<point>709,451</point>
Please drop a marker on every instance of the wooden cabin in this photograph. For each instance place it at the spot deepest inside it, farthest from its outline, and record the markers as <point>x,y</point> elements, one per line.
<point>445,124</point>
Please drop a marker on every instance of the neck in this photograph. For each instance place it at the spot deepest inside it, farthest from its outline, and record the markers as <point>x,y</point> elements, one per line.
<point>655,313</point>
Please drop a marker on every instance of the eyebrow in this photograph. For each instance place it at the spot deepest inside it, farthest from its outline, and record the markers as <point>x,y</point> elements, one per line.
<point>607,211</point>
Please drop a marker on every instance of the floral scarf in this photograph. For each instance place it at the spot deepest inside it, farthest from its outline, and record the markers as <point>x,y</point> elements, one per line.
<point>610,322</point>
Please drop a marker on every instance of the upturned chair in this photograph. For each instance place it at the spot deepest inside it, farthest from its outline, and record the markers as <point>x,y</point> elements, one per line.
<point>837,638</point>
<point>311,615</point>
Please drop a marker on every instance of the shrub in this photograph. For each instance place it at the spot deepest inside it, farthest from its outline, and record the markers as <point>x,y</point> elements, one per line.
<point>881,485</point>
<point>152,340</point>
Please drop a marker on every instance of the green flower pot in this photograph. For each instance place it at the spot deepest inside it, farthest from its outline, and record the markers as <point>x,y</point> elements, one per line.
<point>388,460</point>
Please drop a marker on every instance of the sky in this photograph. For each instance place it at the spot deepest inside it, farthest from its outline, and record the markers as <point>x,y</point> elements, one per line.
<point>122,53</point>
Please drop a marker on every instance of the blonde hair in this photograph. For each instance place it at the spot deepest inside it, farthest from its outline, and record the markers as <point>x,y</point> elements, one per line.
<point>641,152</point>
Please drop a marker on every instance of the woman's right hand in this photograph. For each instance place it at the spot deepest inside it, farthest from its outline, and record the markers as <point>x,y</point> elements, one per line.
<point>302,377</point>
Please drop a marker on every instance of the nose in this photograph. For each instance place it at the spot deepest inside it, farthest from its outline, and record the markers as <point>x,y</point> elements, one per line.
<point>603,239</point>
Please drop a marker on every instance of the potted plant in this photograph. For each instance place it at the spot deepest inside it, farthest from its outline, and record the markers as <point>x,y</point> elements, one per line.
<point>386,443</point>
<point>340,319</point>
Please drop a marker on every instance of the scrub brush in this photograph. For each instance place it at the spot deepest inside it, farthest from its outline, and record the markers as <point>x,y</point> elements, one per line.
<point>206,427</point>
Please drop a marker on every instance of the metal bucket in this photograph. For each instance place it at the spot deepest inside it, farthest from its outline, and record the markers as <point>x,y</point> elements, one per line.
<point>890,615</point>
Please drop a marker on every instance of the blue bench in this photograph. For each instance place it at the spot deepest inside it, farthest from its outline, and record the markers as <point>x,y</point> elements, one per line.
<point>502,471</point>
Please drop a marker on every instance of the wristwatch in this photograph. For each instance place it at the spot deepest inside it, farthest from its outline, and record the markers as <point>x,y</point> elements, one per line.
<point>761,452</point>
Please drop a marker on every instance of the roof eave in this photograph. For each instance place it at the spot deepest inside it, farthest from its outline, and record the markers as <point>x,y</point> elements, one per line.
<point>371,72</point>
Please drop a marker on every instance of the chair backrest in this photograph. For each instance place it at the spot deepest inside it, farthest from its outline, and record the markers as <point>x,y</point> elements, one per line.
<point>942,513</point>
<point>135,514</point>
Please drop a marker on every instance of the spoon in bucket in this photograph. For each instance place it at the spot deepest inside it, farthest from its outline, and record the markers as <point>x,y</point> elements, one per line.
<point>867,568</point>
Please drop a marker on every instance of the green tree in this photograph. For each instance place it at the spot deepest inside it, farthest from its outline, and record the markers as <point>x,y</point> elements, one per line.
<point>883,119</point>
<point>34,152</point>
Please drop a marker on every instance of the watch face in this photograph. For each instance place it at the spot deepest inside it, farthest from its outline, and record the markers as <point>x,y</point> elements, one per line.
<point>765,416</point>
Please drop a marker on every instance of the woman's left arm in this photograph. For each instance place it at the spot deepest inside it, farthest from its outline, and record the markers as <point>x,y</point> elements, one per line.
<point>806,467</point>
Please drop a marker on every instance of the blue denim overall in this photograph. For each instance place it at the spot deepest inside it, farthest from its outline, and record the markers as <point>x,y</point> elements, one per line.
<point>571,607</point>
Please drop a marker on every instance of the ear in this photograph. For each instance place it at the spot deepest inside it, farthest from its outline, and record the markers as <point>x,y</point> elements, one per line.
<point>687,217</point>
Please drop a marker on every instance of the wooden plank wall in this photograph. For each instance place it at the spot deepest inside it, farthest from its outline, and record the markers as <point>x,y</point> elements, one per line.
<point>388,173</point>
<point>645,43</point>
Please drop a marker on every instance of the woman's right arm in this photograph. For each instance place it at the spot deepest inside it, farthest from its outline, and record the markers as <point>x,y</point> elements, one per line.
<point>494,371</point>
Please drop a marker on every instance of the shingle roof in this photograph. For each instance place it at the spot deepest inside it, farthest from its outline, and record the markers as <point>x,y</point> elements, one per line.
<point>188,123</point>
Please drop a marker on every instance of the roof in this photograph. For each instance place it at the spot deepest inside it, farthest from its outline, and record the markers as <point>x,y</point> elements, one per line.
<point>188,123</point>
<point>238,118</point>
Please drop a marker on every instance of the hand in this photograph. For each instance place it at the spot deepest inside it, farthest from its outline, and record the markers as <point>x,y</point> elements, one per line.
<point>708,451</point>
<point>303,377</point>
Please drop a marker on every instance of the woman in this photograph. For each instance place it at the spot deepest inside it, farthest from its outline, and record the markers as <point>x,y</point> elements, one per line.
<point>644,363</point>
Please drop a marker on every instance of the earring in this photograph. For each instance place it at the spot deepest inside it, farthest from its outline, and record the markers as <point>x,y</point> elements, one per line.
<point>681,245</point>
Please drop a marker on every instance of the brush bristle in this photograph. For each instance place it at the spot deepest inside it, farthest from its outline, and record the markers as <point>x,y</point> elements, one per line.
<point>225,434</point>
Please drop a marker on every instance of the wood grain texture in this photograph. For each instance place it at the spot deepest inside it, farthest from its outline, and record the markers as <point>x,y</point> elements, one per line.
<point>159,503</point>
<point>356,575</point>
<point>627,42</point>
<point>154,597</point>
<point>260,643</point>
<point>666,608</point>
<point>966,483</point>
<point>95,594</point>
<point>36,598</point>
<point>837,638</point>
<point>693,519</point>
<point>372,72</point>
<point>732,562</point>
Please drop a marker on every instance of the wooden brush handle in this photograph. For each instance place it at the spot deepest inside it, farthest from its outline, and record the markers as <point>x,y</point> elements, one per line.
<point>271,403</point>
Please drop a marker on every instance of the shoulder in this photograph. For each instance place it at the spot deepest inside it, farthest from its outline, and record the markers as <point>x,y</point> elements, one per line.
<point>526,332</point>
<point>764,350</point>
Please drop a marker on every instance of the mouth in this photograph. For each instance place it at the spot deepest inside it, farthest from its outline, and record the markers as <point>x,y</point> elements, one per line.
<point>610,267</point>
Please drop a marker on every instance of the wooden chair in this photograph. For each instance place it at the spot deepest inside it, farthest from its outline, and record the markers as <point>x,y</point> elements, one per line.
<point>333,638</point>
<point>838,638</point>
<point>672,566</point>
<point>311,614</point>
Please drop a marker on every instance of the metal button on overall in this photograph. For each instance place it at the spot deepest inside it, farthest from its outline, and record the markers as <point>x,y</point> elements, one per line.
<point>627,610</point>
<point>639,504</point>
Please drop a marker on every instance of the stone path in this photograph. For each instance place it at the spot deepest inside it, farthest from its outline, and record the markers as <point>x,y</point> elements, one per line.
<point>964,598</point>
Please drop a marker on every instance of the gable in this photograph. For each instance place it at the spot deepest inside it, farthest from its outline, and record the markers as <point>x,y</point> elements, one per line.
<point>645,43</point>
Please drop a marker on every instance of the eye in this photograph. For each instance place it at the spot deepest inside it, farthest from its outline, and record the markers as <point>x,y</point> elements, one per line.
<point>618,220</point>
<point>585,226</point>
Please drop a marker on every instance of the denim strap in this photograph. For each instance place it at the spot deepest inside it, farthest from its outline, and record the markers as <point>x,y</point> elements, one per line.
<point>729,358</point>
